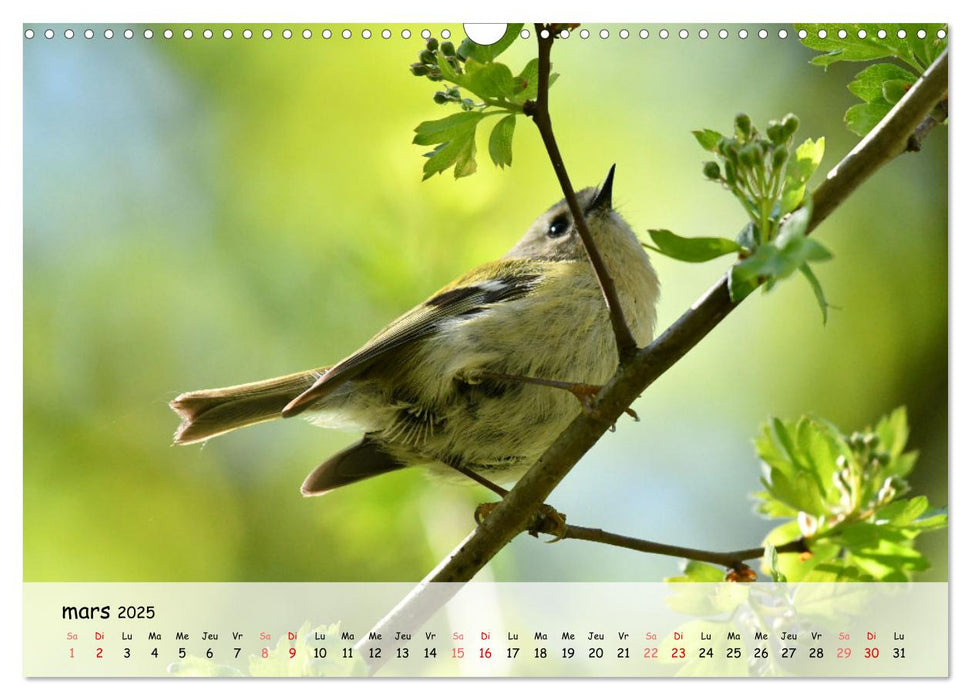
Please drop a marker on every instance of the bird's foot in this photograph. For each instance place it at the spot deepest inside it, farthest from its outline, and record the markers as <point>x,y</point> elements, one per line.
<point>547,520</point>
<point>586,394</point>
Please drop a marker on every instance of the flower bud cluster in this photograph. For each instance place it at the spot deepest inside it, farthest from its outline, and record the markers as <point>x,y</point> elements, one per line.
<point>428,60</point>
<point>748,153</point>
<point>753,167</point>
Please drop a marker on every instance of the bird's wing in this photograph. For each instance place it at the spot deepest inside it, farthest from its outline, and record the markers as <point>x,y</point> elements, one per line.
<point>469,296</point>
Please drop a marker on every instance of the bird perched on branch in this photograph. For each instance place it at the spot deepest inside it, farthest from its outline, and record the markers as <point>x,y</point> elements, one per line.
<point>479,377</point>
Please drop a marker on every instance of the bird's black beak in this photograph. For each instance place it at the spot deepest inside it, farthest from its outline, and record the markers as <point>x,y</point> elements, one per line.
<point>602,201</point>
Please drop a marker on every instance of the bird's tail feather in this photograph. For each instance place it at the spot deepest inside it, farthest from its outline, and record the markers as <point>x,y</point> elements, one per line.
<point>361,461</point>
<point>212,412</point>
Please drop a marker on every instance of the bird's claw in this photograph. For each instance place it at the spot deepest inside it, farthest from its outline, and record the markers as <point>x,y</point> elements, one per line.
<point>547,520</point>
<point>587,393</point>
<point>483,511</point>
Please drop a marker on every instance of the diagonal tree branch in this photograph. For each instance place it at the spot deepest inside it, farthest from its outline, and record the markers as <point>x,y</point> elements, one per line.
<point>515,512</point>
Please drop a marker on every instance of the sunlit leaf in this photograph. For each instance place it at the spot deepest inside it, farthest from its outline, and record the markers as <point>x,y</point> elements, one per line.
<point>443,130</point>
<point>868,83</point>
<point>800,167</point>
<point>489,80</point>
<point>708,138</point>
<point>500,142</point>
<point>691,249</point>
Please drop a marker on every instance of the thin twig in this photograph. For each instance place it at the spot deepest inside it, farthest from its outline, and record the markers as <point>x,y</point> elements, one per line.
<point>516,511</point>
<point>540,112</point>
<point>731,560</point>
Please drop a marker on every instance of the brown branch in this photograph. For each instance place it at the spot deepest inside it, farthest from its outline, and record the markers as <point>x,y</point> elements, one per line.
<point>540,112</point>
<point>730,560</point>
<point>516,511</point>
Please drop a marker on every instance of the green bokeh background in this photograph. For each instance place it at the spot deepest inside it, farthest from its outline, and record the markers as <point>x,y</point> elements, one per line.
<point>200,213</point>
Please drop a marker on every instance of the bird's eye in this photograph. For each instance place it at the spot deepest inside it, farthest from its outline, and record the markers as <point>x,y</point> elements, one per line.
<point>559,226</point>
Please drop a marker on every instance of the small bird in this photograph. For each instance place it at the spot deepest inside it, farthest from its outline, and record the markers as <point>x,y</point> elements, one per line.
<point>472,379</point>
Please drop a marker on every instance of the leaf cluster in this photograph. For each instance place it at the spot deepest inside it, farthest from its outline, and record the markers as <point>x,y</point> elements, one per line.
<point>480,86</point>
<point>880,85</point>
<point>768,177</point>
<point>846,495</point>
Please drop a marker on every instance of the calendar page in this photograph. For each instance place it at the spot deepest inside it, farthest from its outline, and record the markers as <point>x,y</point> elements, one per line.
<point>485,350</point>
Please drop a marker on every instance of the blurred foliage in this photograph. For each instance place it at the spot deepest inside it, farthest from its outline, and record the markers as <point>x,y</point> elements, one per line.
<point>200,213</point>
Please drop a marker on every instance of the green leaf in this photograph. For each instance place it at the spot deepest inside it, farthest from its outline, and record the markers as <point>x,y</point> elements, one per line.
<point>933,520</point>
<point>893,431</point>
<point>888,561</point>
<point>443,130</point>
<point>500,142</point>
<point>817,290</point>
<point>820,445</point>
<point>749,237</point>
<point>913,50</point>
<point>769,264</point>
<point>868,83</point>
<point>488,80</point>
<point>741,283</point>
<point>698,572</point>
<point>449,74</point>
<point>795,567</point>
<point>691,249</point>
<point>455,136</point>
<point>835,490</point>
<point>781,257</point>
<point>768,506</point>
<point>771,558</point>
<point>801,166</point>
<point>861,118</point>
<point>526,84</point>
<point>902,465</point>
<point>708,138</point>
<point>880,86</point>
<point>835,573</point>
<point>793,229</point>
<point>926,50</point>
<point>485,54</point>
<point>800,462</point>
<point>894,90</point>
<point>850,48</point>
<point>795,488</point>
<point>903,512</point>
<point>459,152</point>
